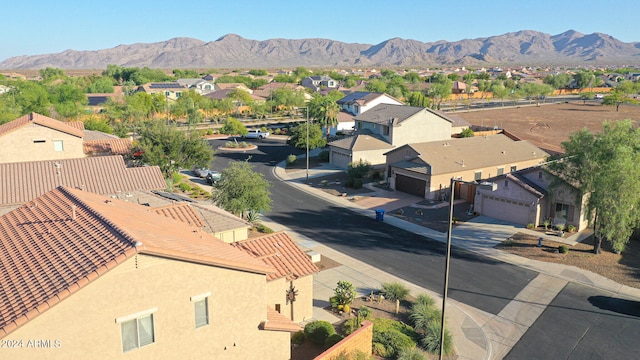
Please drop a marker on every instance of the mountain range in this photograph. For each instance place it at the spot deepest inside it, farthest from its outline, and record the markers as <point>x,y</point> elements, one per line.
<point>232,51</point>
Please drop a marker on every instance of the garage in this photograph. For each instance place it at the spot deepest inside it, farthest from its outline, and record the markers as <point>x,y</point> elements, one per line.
<point>340,160</point>
<point>505,209</point>
<point>411,185</point>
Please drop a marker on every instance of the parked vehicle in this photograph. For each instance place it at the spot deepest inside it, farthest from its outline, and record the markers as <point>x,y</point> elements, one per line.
<point>200,172</point>
<point>257,134</point>
<point>213,177</point>
<point>598,96</point>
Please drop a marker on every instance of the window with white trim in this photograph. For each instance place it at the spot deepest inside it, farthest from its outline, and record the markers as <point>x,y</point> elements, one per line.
<point>137,330</point>
<point>58,145</point>
<point>201,309</point>
<point>500,171</point>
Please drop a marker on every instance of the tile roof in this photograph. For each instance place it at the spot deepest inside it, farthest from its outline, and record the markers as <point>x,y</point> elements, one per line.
<point>362,141</point>
<point>282,253</point>
<point>181,212</point>
<point>34,118</point>
<point>97,135</point>
<point>382,113</point>
<point>451,155</point>
<point>278,322</point>
<point>107,146</point>
<point>66,238</point>
<point>24,181</point>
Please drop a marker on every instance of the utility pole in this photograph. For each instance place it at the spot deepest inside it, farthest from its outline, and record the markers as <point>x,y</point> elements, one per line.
<point>446,270</point>
<point>307,111</point>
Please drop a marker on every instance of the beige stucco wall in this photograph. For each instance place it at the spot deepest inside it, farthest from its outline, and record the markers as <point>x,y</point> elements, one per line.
<point>375,158</point>
<point>303,306</point>
<point>233,235</point>
<point>85,322</point>
<point>514,194</point>
<point>18,145</point>
<point>421,127</point>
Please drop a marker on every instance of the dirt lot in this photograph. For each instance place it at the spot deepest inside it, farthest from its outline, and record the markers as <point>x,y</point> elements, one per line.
<point>547,126</point>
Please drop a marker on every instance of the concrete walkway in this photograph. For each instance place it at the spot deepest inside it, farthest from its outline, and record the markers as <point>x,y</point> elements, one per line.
<point>477,334</point>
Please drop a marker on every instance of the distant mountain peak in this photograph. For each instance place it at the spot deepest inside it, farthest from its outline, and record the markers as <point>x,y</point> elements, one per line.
<point>524,47</point>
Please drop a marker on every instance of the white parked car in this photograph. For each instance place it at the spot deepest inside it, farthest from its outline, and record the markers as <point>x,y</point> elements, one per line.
<point>598,96</point>
<point>257,134</point>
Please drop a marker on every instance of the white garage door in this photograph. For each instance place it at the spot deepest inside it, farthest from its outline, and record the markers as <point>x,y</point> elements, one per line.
<point>505,209</point>
<point>340,160</point>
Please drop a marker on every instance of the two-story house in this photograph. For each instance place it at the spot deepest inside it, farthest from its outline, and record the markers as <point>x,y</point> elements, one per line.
<point>318,82</point>
<point>425,169</point>
<point>355,103</point>
<point>200,86</point>
<point>170,90</point>
<point>109,279</point>
<point>387,126</point>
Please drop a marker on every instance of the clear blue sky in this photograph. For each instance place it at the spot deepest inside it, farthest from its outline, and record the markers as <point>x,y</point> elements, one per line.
<point>33,27</point>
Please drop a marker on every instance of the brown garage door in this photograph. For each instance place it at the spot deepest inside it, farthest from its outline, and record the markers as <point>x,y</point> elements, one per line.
<point>410,185</point>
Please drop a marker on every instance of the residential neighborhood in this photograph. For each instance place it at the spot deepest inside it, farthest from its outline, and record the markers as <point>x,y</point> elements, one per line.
<point>106,231</point>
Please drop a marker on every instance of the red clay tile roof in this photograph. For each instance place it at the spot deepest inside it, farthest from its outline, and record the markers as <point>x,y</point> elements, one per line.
<point>282,253</point>
<point>278,322</point>
<point>181,212</point>
<point>41,120</point>
<point>23,181</point>
<point>107,146</point>
<point>76,124</point>
<point>67,238</point>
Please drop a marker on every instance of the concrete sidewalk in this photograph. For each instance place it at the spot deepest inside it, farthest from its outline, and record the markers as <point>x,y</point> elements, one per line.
<point>477,334</point>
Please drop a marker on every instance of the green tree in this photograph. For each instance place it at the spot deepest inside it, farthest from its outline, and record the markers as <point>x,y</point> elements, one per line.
<point>97,123</point>
<point>233,126</point>
<point>467,133</point>
<point>298,136</point>
<point>32,97</point>
<point>376,85</point>
<point>535,91</point>
<point>603,167</point>
<point>100,85</point>
<point>439,92</point>
<point>258,72</point>
<point>242,190</point>
<point>172,149</point>
<point>417,98</point>
<point>584,79</point>
<point>344,293</point>
<point>325,111</point>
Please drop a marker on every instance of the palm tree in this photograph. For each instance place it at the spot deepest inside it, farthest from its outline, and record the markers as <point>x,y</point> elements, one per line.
<point>326,111</point>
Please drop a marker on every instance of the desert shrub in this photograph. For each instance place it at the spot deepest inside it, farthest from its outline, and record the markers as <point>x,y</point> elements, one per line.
<point>346,308</point>
<point>376,176</point>
<point>379,349</point>
<point>357,183</point>
<point>291,159</point>
<point>359,169</point>
<point>263,129</point>
<point>349,182</point>
<point>244,144</point>
<point>297,338</point>
<point>421,314</point>
<point>176,178</point>
<point>353,355</point>
<point>318,331</point>
<point>323,156</point>
<point>332,340</point>
<point>344,293</point>
<point>349,326</point>
<point>202,132</point>
<point>563,249</point>
<point>425,299</point>
<point>209,131</point>
<point>411,354</point>
<point>184,187</point>
<point>530,226</point>
<point>431,339</point>
<point>364,312</point>
<point>264,229</point>
<point>231,144</point>
<point>571,228</point>
<point>276,131</point>
<point>394,291</point>
<point>393,340</point>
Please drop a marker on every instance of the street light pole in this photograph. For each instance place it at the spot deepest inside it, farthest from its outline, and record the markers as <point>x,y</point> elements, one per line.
<point>446,270</point>
<point>307,111</point>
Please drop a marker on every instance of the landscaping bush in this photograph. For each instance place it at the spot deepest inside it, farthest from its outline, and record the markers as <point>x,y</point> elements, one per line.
<point>376,176</point>
<point>421,315</point>
<point>323,156</point>
<point>276,131</point>
<point>210,132</point>
<point>244,144</point>
<point>176,178</point>
<point>393,340</point>
<point>379,349</point>
<point>349,326</point>
<point>184,187</point>
<point>425,299</point>
<point>359,169</point>
<point>318,331</point>
<point>364,312</point>
<point>353,355</point>
<point>291,159</point>
<point>394,291</point>
<point>412,354</point>
<point>530,226</point>
<point>563,249</point>
<point>231,144</point>
<point>357,183</point>
<point>332,340</point>
<point>344,294</point>
<point>431,339</point>
<point>263,229</point>
<point>348,182</point>
<point>297,338</point>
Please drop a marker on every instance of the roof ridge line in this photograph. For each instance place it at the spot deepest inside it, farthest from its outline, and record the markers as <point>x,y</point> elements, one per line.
<point>99,215</point>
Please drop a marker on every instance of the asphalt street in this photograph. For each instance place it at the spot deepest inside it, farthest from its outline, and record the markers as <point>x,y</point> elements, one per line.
<point>580,323</point>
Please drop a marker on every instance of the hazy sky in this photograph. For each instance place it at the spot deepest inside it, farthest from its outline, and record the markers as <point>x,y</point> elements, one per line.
<point>33,27</point>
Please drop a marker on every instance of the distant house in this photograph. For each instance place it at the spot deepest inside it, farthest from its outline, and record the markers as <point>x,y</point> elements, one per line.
<point>359,102</point>
<point>385,127</point>
<point>425,169</point>
<point>527,197</point>
<point>171,90</point>
<point>200,86</point>
<point>146,286</point>
<point>230,86</point>
<point>316,83</point>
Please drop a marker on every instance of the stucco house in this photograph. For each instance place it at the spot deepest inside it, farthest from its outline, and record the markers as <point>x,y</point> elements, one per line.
<point>170,90</point>
<point>426,169</point>
<point>200,86</point>
<point>527,197</point>
<point>387,126</point>
<point>319,82</point>
<point>358,102</point>
<point>109,279</point>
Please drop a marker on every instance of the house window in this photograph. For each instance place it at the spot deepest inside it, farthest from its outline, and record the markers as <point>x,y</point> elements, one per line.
<point>278,307</point>
<point>178,94</point>
<point>201,308</point>
<point>477,176</point>
<point>137,330</point>
<point>58,145</point>
<point>359,125</point>
<point>167,93</point>
<point>513,168</point>
<point>562,210</point>
<point>385,130</point>
<point>500,171</point>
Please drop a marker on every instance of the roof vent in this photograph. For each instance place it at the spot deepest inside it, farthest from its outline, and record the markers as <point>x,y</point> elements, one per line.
<point>137,244</point>
<point>462,163</point>
<point>73,212</point>
<point>504,152</point>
